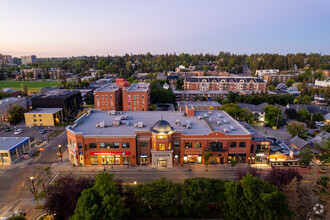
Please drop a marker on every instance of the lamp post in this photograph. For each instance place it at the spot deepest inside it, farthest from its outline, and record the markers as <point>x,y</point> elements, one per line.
<point>32,184</point>
<point>60,148</point>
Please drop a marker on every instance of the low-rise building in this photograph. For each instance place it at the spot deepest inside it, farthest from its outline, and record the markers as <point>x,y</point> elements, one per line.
<point>261,73</point>
<point>7,103</point>
<point>268,78</point>
<point>28,59</point>
<point>159,139</point>
<point>43,117</point>
<point>34,72</point>
<point>136,97</point>
<point>321,83</point>
<point>327,119</point>
<point>199,105</point>
<point>12,148</point>
<point>108,97</point>
<point>257,110</point>
<point>7,60</point>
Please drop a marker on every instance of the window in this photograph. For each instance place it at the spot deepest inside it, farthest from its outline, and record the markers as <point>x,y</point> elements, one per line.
<point>188,145</point>
<point>106,96</point>
<point>79,145</point>
<point>143,144</point>
<point>40,119</point>
<point>143,109</point>
<point>134,96</point>
<point>252,146</point>
<point>216,146</point>
<point>138,109</point>
<point>129,103</point>
<point>35,119</point>
<point>137,97</point>
<point>169,146</point>
<point>106,103</point>
<point>137,102</point>
<point>142,102</point>
<point>111,103</point>
<point>242,144</point>
<point>125,145</point>
<point>102,103</point>
<point>127,160</point>
<point>129,97</point>
<point>111,97</point>
<point>94,160</point>
<point>39,115</point>
<point>233,144</point>
<point>102,96</point>
<point>142,97</point>
<point>197,145</point>
<point>161,146</point>
<point>134,102</point>
<point>176,144</point>
<point>92,145</point>
<point>112,145</point>
<point>129,109</point>
<point>102,145</point>
<point>134,109</point>
<point>34,115</point>
<point>98,103</point>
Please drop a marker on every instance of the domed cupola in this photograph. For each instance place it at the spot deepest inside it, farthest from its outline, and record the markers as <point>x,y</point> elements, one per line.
<point>162,127</point>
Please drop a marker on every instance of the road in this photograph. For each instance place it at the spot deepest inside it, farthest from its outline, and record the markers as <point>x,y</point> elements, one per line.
<point>13,179</point>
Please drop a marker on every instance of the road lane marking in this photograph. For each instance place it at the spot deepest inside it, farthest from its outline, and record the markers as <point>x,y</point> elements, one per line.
<point>22,167</point>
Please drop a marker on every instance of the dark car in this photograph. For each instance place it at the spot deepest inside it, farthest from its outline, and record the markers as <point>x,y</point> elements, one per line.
<point>7,129</point>
<point>43,131</point>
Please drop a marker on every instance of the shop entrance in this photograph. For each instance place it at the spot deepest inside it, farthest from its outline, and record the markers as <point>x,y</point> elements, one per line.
<point>161,162</point>
<point>144,161</point>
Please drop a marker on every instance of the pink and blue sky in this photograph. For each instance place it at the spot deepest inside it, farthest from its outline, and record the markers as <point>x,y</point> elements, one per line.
<point>104,27</point>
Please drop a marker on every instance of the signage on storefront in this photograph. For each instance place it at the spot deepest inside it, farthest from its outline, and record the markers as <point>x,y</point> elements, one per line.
<point>291,153</point>
<point>109,153</point>
<point>162,155</point>
<point>81,153</point>
<point>144,156</point>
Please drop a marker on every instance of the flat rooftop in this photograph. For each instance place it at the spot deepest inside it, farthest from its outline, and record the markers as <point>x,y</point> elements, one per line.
<point>9,99</point>
<point>138,87</point>
<point>44,110</point>
<point>57,94</point>
<point>199,103</point>
<point>199,125</point>
<point>8,143</point>
<point>111,87</point>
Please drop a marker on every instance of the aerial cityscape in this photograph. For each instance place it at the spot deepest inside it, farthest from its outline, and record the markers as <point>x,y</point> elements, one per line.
<point>164,109</point>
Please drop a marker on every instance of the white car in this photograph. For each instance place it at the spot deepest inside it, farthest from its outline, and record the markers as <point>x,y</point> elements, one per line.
<point>18,131</point>
<point>319,124</point>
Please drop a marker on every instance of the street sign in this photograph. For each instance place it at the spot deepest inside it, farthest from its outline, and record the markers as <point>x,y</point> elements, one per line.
<point>54,148</point>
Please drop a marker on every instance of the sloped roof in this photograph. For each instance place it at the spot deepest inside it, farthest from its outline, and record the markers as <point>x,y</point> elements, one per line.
<point>297,141</point>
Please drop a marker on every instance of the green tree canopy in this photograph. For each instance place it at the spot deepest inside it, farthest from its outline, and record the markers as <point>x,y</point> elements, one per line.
<point>273,115</point>
<point>16,113</point>
<point>296,128</point>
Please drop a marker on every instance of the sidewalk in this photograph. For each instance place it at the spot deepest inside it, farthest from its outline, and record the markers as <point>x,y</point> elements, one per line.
<point>67,166</point>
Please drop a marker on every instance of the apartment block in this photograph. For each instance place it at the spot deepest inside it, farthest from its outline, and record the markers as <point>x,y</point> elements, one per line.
<point>28,59</point>
<point>279,78</point>
<point>108,97</point>
<point>136,97</point>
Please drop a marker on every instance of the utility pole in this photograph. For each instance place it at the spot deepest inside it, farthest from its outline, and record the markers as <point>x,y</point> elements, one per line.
<point>278,116</point>
<point>60,148</point>
<point>310,123</point>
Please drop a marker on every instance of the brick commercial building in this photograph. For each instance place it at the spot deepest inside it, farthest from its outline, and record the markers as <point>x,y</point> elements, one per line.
<point>159,139</point>
<point>279,78</point>
<point>108,98</point>
<point>133,98</point>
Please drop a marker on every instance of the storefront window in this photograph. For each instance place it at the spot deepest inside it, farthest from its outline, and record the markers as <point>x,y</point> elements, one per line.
<point>92,145</point>
<point>214,160</point>
<point>169,146</point>
<point>126,160</point>
<point>242,144</point>
<point>233,144</point>
<point>237,158</point>
<point>188,144</point>
<point>161,146</point>
<point>79,145</point>
<point>262,149</point>
<point>176,144</point>
<point>94,160</point>
<point>192,159</point>
<point>102,145</point>
<point>125,145</point>
<point>13,155</point>
<point>216,146</point>
<point>251,150</point>
<point>4,157</point>
<point>197,144</point>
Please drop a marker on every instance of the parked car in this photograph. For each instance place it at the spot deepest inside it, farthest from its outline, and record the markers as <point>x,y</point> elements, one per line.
<point>18,131</point>
<point>7,129</point>
<point>319,123</point>
<point>43,131</point>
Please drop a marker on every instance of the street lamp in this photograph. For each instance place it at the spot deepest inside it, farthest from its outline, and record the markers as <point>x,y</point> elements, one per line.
<point>60,148</point>
<point>32,184</point>
<point>135,182</point>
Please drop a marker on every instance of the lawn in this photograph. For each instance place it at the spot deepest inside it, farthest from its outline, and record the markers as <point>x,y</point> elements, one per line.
<point>33,86</point>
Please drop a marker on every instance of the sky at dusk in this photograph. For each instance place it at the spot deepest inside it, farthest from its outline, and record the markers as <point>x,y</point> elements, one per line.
<point>104,27</point>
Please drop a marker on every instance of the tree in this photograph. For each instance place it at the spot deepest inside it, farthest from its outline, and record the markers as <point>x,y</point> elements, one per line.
<point>289,83</point>
<point>306,156</point>
<point>16,113</point>
<point>62,196</point>
<point>206,156</point>
<point>296,128</point>
<point>161,96</point>
<point>179,84</point>
<point>282,177</point>
<point>298,199</point>
<point>25,90</point>
<point>303,115</point>
<point>102,201</point>
<point>291,113</point>
<point>324,147</point>
<point>252,198</point>
<point>273,115</point>
<point>302,100</point>
<point>198,193</point>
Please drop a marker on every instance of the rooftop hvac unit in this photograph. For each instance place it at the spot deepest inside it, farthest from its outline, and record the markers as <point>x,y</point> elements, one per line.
<point>226,130</point>
<point>218,122</point>
<point>177,121</point>
<point>220,115</point>
<point>100,124</point>
<point>232,128</point>
<point>200,117</point>
<point>206,116</point>
<point>210,113</point>
<point>112,112</point>
<point>138,124</point>
<point>116,122</point>
<point>225,121</point>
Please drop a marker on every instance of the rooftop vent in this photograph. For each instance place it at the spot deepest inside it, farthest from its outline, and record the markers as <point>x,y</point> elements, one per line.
<point>206,116</point>
<point>220,115</point>
<point>225,121</point>
<point>219,123</point>
<point>226,130</point>
<point>112,112</point>
<point>200,117</point>
<point>232,128</point>
<point>100,124</point>
<point>138,124</point>
<point>210,113</point>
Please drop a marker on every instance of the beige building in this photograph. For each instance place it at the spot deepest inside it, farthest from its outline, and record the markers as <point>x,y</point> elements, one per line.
<point>7,103</point>
<point>43,117</point>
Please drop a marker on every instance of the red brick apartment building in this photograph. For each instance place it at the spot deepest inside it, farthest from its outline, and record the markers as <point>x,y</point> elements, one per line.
<point>212,87</point>
<point>279,77</point>
<point>159,139</point>
<point>113,97</point>
<point>136,97</point>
